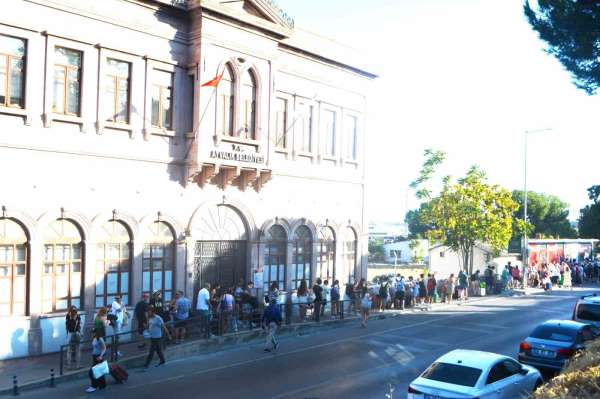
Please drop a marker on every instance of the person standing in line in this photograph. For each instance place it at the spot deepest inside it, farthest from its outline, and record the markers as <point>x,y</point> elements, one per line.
<point>101,321</point>
<point>326,295</point>
<point>141,317</point>
<point>335,299</point>
<point>350,296</point>
<point>462,286</point>
<point>98,351</point>
<point>422,289</point>
<point>226,308</point>
<point>271,320</point>
<point>117,312</point>
<point>450,290</point>
<point>318,293</point>
<point>73,327</point>
<point>156,328</point>
<point>302,296</point>
<point>203,307</point>
<point>365,308</point>
<point>181,316</point>
<point>359,289</point>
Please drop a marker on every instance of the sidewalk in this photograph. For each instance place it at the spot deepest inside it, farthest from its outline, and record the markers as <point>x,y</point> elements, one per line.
<point>33,372</point>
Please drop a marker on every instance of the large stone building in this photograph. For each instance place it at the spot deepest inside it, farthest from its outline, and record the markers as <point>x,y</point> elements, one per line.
<point>122,174</point>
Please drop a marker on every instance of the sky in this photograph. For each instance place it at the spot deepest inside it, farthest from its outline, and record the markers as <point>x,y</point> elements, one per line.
<point>467,77</point>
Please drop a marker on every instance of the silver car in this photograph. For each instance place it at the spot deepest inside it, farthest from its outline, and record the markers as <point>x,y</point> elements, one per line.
<point>463,374</point>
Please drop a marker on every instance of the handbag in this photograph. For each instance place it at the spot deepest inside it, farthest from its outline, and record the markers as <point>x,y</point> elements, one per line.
<point>125,318</point>
<point>100,370</point>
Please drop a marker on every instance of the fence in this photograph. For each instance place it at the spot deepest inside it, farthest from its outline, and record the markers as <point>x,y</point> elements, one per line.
<point>240,319</point>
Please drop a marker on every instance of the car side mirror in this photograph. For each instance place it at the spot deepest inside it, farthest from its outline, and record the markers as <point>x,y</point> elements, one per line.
<point>523,371</point>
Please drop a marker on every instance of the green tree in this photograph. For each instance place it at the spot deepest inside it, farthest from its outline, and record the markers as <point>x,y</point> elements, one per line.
<point>572,31</point>
<point>547,214</point>
<point>468,211</point>
<point>589,217</point>
<point>416,227</point>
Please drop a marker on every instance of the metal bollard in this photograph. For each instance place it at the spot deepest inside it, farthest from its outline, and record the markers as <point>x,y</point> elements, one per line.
<point>52,384</point>
<point>15,386</point>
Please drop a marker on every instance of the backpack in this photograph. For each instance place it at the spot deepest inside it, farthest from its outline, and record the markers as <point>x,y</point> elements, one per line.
<point>383,290</point>
<point>349,291</point>
<point>272,314</point>
<point>335,294</point>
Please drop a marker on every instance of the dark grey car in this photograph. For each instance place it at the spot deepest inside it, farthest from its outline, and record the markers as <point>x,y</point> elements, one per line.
<point>551,344</point>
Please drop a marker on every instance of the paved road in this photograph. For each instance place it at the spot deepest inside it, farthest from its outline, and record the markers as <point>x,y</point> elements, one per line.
<point>343,363</point>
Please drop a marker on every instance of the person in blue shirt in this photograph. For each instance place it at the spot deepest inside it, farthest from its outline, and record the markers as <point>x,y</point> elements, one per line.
<point>271,320</point>
<point>181,316</point>
<point>156,327</point>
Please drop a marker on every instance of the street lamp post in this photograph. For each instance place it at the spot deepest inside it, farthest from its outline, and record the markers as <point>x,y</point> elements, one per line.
<point>524,249</point>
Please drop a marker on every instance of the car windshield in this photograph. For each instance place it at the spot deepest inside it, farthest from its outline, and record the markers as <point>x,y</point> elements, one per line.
<point>452,374</point>
<point>554,333</point>
<point>589,312</point>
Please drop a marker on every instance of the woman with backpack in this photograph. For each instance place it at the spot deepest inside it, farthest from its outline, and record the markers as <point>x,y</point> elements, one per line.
<point>335,299</point>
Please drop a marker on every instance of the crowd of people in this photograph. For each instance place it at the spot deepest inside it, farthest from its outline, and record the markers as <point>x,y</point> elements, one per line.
<point>220,310</point>
<point>561,273</point>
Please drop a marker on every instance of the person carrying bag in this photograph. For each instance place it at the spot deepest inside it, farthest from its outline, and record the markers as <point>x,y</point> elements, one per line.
<point>99,367</point>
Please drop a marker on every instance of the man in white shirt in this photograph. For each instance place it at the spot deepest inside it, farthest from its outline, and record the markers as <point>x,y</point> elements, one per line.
<point>203,307</point>
<point>117,309</point>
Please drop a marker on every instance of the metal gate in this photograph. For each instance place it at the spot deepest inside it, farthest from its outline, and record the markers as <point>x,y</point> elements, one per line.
<point>222,262</point>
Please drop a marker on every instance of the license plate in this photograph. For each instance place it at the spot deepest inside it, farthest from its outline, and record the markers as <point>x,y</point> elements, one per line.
<point>543,353</point>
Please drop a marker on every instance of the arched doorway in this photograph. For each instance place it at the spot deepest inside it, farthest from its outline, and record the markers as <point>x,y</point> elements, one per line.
<point>220,249</point>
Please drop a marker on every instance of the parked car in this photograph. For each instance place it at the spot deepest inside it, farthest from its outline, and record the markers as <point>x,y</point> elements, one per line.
<point>463,374</point>
<point>587,310</point>
<point>551,344</point>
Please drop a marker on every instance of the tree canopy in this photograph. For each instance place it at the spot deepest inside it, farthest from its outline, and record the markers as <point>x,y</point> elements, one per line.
<point>589,217</point>
<point>572,31</point>
<point>547,214</point>
<point>416,227</point>
<point>466,212</point>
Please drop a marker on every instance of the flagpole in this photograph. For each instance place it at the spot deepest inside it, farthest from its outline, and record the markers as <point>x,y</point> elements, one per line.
<point>213,95</point>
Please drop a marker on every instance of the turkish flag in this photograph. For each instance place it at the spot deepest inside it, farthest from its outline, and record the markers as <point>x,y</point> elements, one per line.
<point>214,82</point>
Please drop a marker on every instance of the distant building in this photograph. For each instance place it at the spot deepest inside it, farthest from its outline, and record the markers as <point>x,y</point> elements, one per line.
<point>387,232</point>
<point>444,261</point>
<point>400,252</point>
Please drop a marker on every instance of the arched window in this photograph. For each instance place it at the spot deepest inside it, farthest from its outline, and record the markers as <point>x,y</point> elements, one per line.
<point>275,258</point>
<point>350,244</point>
<point>302,256</point>
<point>113,263</point>
<point>248,105</point>
<point>225,102</point>
<point>159,261</point>
<point>62,274</point>
<point>326,258</point>
<point>13,268</point>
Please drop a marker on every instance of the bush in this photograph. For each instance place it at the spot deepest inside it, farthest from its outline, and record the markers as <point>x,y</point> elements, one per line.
<point>580,379</point>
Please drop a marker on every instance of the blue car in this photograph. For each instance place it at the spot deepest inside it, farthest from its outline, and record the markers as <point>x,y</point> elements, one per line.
<point>551,344</point>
